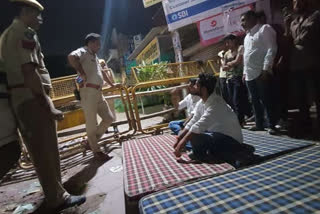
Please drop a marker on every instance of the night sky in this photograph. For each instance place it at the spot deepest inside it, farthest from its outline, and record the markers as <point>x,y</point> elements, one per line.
<point>66,22</point>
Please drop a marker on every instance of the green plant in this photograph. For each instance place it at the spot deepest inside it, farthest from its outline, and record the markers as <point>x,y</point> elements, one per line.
<point>118,105</point>
<point>150,72</point>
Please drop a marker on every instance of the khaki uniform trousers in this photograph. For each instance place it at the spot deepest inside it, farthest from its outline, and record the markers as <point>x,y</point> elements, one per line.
<point>93,104</point>
<point>40,137</point>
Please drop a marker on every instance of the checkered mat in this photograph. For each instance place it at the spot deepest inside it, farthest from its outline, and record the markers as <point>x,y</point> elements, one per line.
<point>289,184</point>
<point>150,165</point>
<point>267,145</point>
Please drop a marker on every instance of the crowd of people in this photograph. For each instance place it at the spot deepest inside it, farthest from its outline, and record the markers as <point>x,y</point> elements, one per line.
<point>254,82</point>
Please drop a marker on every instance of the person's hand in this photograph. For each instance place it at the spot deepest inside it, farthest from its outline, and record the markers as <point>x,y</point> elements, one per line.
<point>243,78</point>
<point>264,75</point>
<point>116,85</point>
<point>178,148</point>
<point>225,68</point>
<point>229,64</point>
<point>83,77</point>
<point>56,114</point>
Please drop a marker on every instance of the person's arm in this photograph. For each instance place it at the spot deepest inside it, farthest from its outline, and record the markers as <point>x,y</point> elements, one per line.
<point>32,80</point>
<point>186,137</point>
<point>239,58</point>
<point>107,78</point>
<point>28,60</point>
<point>188,120</point>
<point>183,103</point>
<point>270,42</point>
<point>74,60</point>
<point>224,65</point>
<point>194,119</point>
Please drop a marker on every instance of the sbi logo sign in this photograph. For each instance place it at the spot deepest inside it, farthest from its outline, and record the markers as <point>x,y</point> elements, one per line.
<point>174,17</point>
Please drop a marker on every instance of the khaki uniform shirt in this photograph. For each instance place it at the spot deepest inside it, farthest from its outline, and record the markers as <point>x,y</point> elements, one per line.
<point>19,45</point>
<point>90,64</point>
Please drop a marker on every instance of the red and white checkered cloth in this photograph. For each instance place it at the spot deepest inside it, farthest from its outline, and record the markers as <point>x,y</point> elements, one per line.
<point>150,166</point>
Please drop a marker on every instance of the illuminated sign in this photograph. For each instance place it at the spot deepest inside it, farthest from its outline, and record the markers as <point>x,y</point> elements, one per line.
<point>148,3</point>
<point>180,13</point>
<point>213,29</point>
<point>149,53</point>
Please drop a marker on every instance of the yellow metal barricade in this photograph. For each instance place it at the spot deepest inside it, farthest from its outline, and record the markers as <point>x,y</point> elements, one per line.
<point>214,67</point>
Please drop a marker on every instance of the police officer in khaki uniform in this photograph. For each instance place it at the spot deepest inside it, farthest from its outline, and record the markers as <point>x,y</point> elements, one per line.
<point>29,83</point>
<point>85,61</point>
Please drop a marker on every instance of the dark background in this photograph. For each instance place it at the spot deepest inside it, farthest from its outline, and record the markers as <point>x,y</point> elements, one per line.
<point>66,22</point>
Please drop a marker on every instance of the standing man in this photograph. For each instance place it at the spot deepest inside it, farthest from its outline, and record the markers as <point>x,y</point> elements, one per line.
<point>85,61</point>
<point>223,77</point>
<point>234,67</point>
<point>27,78</point>
<point>303,31</point>
<point>260,48</point>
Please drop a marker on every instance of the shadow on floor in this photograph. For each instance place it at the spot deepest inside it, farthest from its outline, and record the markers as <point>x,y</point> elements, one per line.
<point>76,184</point>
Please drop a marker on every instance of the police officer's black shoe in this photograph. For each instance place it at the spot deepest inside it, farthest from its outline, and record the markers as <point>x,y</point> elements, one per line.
<point>72,201</point>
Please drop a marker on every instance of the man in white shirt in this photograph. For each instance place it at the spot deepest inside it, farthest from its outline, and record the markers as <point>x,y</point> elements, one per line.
<point>85,61</point>
<point>260,48</point>
<point>189,103</point>
<point>214,129</point>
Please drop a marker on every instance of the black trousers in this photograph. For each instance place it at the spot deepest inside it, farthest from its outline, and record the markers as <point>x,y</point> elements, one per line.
<point>263,99</point>
<point>306,87</point>
<point>239,98</point>
<point>9,156</point>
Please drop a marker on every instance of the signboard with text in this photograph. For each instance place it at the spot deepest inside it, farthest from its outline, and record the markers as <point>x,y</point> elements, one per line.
<point>148,3</point>
<point>149,53</point>
<point>213,29</point>
<point>180,13</point>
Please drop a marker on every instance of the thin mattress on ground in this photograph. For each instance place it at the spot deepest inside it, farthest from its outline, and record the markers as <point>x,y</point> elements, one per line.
<point>288,184</point>
<point>267,145</point>
<point>150,166</point>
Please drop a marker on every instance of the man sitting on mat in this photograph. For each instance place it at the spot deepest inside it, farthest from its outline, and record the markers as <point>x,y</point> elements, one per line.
<point>214,131</point>
<point>189,103</point>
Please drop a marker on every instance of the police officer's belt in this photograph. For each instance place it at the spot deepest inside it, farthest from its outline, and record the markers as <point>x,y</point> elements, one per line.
<point>90,85</point>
